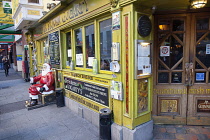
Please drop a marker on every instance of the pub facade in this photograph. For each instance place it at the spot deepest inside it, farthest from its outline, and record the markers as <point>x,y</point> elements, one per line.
<point>144,64</point>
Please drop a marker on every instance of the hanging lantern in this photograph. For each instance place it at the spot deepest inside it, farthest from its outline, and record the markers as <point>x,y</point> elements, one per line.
<point>198,3</point>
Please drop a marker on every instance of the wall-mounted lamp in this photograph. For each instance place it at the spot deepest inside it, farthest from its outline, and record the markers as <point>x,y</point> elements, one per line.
<point>197,3</point>
<point>145,43</point>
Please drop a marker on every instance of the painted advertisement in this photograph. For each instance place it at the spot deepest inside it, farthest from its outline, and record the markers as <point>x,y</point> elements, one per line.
<point>96,93</point>
<point>5,13</point>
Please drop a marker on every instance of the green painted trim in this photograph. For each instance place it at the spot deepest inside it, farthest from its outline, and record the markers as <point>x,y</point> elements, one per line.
<point>6,26</point>
<point>9,32</point>
<point>2,36</point>
<point>7,40</point>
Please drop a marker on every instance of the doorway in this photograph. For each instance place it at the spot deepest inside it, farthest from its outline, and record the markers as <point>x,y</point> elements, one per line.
<point>182,69</point>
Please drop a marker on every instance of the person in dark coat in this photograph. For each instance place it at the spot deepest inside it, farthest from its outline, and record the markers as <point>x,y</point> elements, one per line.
<point>6,65</point>
<point>1,63</point>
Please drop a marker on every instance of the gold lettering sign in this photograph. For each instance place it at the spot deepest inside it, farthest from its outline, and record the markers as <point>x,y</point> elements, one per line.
<point>182,91</point>
<point>203,106</point>
<point>87,77</point>
<point>34,12</point>
<point>83,101</point>
<point>168,106</point>
<point>77,9</point>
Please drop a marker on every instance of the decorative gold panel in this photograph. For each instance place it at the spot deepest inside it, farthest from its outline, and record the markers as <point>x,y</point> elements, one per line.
<point>142,95</point>
<point>168,106</point>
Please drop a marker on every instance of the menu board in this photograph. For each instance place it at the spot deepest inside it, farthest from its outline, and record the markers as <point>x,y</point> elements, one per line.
<point>54,49</point>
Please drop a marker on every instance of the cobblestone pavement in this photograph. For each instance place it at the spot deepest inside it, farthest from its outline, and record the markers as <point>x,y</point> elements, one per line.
<point>181,132</point>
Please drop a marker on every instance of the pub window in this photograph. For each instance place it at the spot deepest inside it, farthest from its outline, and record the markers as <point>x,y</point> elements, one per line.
<point>69,49</point>
<point>33,1</point>
<point>89,45</point>
<point>105,44</point>
<point>46,51</point>
<point>78,47</point>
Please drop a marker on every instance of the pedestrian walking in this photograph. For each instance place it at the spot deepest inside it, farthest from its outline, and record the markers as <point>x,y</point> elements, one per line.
<point>6,65</point>
<point>1,63</point>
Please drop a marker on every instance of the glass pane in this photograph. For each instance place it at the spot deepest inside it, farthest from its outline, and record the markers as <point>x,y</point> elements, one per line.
<point>68,48</point>
<point>203,51</point>
<point>163,77</point>
<point>202,24</point>
<point>198,66</point>
<point>161,36</point>
<point>105,43</point>
<point>179,67</point>
<point>46,52</point>
<point>176,77</point>
<point>78,47</point>
<point>200,77</point>
<point>199,35</point>
<point>176,52</point>
<point>180,36</point>
<point>164,25</point>
<point>161,67</point>
<point>90,45</point>
<point>178,25</point>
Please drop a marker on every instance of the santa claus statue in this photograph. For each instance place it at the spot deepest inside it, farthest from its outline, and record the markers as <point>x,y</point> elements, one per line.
<point>46,86</point>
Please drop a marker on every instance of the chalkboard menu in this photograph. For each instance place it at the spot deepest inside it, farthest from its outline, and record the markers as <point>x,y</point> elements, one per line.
<point>54,50</point>
<point>94,92</point>
<point>144,26</point>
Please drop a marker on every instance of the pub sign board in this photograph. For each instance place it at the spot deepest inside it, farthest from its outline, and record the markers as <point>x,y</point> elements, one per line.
<point>96,93</point>
<point>203,106</point>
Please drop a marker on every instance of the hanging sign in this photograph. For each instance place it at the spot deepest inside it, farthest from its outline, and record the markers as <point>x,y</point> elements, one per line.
<point>7,6</point>
<point>5,17</point>
<point>165,51</point>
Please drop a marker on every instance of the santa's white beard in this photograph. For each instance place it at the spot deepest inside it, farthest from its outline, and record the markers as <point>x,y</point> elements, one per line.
<point>44,73</point>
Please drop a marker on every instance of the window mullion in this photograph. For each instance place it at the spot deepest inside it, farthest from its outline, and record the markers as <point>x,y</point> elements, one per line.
<point>97,45</point>
<point>84,47</point>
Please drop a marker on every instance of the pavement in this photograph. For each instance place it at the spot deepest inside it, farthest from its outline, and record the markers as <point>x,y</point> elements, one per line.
<point>45,123</point>
<point>53,123</point>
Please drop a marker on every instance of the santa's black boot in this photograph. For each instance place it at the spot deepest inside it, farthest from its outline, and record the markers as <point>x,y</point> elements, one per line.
<point>34,102</point>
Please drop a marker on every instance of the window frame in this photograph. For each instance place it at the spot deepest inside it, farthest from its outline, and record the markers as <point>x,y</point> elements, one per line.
<point>99,48</point>
<point>96,24</point>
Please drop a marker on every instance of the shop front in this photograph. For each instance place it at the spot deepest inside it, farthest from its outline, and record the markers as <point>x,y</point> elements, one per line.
<point>96,53</point>
<point>181,88</point>
<point>143,61</point>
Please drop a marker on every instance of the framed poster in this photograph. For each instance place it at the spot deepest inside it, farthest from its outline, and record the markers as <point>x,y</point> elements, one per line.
<point>143,66</point>
<point>116,21</point>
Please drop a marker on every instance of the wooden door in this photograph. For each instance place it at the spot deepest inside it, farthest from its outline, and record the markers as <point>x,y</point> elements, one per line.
<point>181,69</point>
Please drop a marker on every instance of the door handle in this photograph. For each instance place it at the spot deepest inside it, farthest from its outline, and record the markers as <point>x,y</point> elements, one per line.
<point>189,72</point>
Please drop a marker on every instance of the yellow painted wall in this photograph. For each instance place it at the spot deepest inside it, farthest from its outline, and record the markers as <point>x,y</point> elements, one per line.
<point>125,112</point>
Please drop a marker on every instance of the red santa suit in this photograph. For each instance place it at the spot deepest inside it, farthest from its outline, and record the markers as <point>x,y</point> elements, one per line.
<point>46,80</point>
